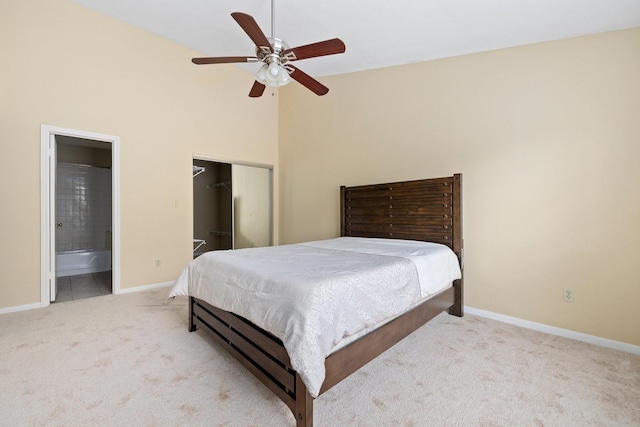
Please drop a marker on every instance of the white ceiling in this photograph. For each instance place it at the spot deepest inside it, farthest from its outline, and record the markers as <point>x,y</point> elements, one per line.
<point>377,33</point>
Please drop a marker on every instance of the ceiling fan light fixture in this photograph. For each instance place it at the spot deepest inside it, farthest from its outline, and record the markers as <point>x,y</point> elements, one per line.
<point>273,75</point>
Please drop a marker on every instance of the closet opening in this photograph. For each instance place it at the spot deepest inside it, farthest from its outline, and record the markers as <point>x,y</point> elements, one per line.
<point>232,206</point>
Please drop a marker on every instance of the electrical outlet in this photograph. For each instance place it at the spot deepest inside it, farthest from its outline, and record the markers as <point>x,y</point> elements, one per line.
<point>157,263</point>
<point>567,294</point>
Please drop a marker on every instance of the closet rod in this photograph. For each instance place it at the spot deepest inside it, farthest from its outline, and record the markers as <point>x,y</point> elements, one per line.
<point>220,233</point>
<point>224,184</point>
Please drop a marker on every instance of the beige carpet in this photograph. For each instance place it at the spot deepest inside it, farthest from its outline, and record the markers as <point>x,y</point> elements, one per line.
<point>128,360</point>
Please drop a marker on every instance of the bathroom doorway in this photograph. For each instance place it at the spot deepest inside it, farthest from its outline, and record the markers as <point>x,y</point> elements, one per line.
<point>80,215</point>
<point>83,218</point>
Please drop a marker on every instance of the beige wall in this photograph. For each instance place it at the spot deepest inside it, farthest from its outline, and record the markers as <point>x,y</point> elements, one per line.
<point>67,66</point>
<point>547,138</point>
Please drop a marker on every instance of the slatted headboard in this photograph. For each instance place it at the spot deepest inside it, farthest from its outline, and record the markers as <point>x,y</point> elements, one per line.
<point>428,210</point>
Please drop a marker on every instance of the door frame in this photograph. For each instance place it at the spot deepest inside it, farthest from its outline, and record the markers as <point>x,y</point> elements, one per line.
<point>47,205</point>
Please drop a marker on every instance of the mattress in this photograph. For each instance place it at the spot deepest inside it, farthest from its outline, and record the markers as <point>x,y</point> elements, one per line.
<point>317,296</point>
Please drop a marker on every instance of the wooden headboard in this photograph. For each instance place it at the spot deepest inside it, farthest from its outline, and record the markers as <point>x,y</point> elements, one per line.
<point>428,210</point>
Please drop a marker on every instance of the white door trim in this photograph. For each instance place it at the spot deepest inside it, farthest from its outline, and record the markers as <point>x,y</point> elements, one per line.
<point>47,251</point>
<point>51,246</point>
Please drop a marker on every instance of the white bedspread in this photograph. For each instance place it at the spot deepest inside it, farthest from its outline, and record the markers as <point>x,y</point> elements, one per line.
<point>313,295</point>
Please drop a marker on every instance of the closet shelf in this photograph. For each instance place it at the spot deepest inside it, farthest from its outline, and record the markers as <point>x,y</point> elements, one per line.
<point>199,242</point>
<point>197,170</point>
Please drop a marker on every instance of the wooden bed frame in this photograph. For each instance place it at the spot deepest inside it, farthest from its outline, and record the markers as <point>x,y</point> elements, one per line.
<point>426,210</point>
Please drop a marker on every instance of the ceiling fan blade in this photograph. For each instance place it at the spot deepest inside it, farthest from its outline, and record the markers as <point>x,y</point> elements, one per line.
<point>257,89</point>
<point>224,60</point>
<point>250,26</point>
<point>327,47</point>
<point>307,81</point>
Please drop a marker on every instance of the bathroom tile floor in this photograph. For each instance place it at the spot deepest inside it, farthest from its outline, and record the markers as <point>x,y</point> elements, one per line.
<point>71,288</point>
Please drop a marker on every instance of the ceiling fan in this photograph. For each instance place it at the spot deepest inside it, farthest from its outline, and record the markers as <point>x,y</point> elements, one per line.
<point>276,56</point>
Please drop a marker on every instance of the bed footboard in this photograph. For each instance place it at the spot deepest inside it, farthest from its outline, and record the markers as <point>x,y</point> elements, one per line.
<point>259,352</point>
<point>264,355</point>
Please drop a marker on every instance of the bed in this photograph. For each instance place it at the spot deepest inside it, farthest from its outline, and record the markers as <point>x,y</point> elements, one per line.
<point>416,211</point>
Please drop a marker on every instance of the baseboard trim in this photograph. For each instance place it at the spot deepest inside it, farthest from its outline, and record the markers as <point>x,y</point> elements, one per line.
<point>145,287</point>
<point>6,310</point>
<point>13,309</point>
<point>566,333</point>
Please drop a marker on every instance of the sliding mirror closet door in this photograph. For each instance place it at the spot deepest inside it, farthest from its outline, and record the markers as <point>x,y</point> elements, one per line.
<point>251,206</point>
<point>232,206</point>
